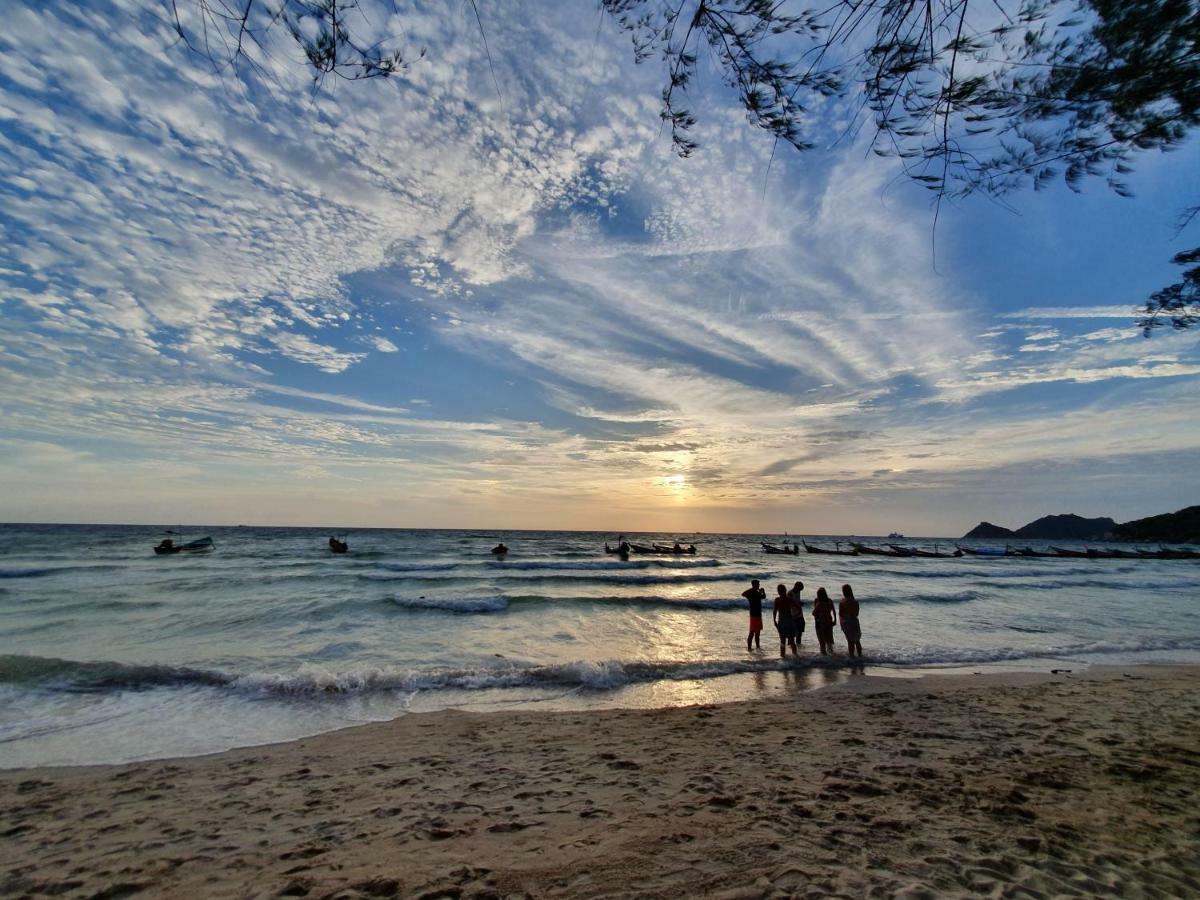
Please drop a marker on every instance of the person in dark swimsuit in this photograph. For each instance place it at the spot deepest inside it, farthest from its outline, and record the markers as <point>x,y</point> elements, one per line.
<point>785,621</point>
<point>798,611</point>
<point>824,618</point>
<point>848,610</point>
<point>755,595</point>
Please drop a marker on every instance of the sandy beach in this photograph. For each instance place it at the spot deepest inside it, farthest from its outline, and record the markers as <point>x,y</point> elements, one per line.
<point>1013,785</point>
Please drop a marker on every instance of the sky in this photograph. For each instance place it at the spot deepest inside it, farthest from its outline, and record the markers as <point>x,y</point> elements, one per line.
<point>489,295</point>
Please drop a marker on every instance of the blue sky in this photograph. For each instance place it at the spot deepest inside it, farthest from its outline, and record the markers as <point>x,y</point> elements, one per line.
<point>426,302</point>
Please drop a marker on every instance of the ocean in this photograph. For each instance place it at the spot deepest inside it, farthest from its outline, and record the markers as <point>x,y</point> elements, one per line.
<point>109,653</point>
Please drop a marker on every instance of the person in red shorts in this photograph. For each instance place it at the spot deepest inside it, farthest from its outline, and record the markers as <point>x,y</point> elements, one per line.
<point>756,596</point>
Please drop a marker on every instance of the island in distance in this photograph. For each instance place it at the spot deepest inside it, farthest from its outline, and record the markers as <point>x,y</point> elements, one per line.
<point>1181,527</point>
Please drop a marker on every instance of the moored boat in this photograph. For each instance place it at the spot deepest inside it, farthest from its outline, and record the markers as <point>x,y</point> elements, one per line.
<point>1071,554</point>
<point>985,551</point>
<point>875,551</point>
<point>771,548</point>
<point>1164,553</point>
<point>838,552</point>
<point>927,554</point>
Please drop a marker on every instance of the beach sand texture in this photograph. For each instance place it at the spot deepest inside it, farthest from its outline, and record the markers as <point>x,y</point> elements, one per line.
<point>1007,786</point>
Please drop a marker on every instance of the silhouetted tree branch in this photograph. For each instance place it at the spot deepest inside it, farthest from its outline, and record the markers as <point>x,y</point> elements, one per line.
<point>985,96</point>
<point>1180,302</point>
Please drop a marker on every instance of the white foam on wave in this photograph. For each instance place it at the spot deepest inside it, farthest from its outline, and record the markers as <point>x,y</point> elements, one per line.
<point>57,675</point>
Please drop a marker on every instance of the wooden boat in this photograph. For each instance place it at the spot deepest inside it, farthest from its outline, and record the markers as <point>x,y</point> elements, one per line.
<point>168,547</point>
<point>876,551</point>
<point>838,552</point>
<point>771,548</point>
<point>1164,553</point>
<point>1071,554</point>
<point>1028,551</point>
<point>926,554</point>
<point>620,550</point>
<point>641,548</point>
<point>682,551</point>
<point>985,551</point>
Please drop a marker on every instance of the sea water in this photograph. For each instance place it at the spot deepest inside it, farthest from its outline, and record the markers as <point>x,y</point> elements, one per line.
<point>109,653</point>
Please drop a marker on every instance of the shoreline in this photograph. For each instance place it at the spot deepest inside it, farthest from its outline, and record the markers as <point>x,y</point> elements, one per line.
<point>954,783</point>
<point>812,673</point>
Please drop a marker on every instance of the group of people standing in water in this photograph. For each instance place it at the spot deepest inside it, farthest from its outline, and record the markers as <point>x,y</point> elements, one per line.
<point>788,616</point>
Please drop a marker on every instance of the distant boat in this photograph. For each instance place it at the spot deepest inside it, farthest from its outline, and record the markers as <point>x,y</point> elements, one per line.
<point>771,548</point>
<point>500,550</point>
<point>878,551</point>
<point>984,551</point>
<point>675,550</point>
<point>1072,554</point>
<point>838,552</point>
<point>338,546</point>
<point>168,546</point>
<point>929,554</point>
<point>895,535</point>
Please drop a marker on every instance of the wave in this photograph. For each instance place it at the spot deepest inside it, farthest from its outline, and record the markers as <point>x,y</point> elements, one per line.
<point>452,604</point>
<point>67,675</point>
<point>616,577</point>
<point>645,577</point>
<point>419,567</point>
<point>924,597</point>
<point>73,675</point>
<point>605,564</point>
<point>55,570</point>
<point>1010,569</point>
<point>503,602</point>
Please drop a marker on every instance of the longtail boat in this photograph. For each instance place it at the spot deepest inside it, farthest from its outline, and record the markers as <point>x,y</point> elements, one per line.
<point>771,548</point>
<point>838,552</point>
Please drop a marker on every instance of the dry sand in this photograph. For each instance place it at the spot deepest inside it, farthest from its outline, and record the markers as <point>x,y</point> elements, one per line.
<point>1013,786</point>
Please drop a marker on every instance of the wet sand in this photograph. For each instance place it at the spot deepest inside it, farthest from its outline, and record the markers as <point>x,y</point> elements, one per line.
<point>1006,786</point>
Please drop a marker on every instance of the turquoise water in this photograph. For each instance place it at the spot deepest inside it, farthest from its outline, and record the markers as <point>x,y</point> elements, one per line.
<point>109,653</point>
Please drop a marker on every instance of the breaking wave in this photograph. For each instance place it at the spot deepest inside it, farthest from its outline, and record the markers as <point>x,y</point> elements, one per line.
<point>68,675</point>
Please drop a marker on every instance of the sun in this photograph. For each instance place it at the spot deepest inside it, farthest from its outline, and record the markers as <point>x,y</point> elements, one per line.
<point>676,484</point>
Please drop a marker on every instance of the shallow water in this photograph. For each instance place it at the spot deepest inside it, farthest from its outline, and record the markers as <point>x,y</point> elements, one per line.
<point>109,653</point>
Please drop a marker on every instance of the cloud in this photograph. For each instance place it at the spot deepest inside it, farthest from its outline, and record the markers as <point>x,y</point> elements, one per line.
<point>422,284</point>
<point>1075,312</point>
